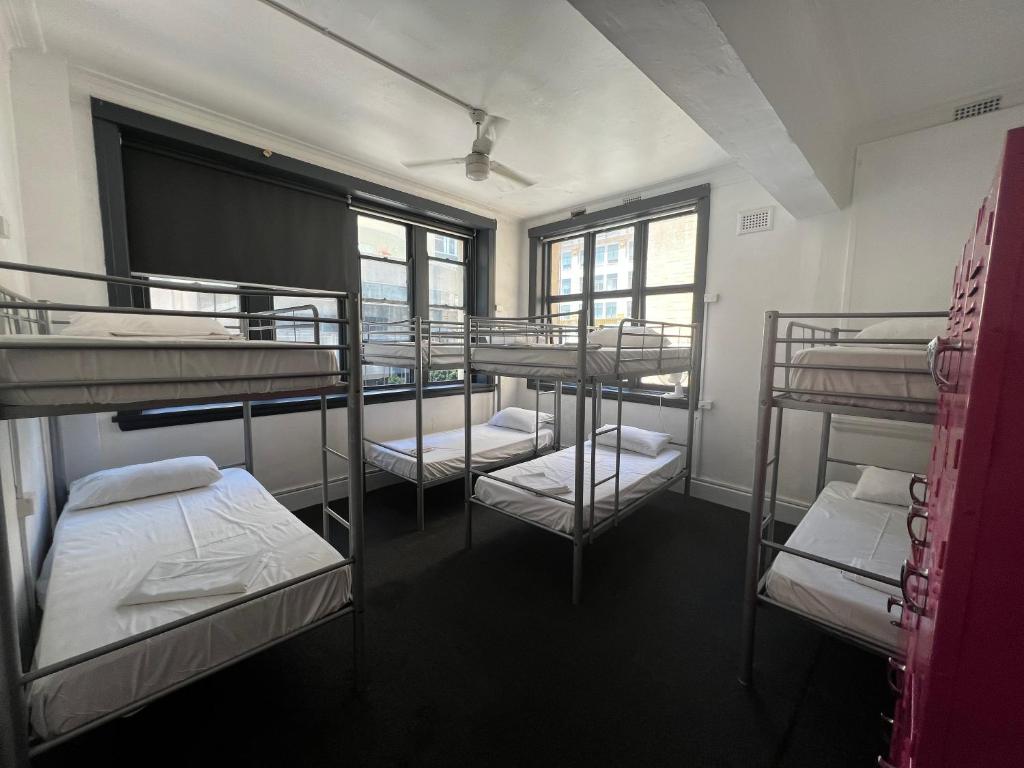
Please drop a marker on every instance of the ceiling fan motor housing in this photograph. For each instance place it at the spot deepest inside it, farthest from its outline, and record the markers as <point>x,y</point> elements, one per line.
<point>478,166</point>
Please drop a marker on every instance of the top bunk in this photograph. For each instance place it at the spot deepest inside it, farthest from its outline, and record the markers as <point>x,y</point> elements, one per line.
<point>873,365</point>
<point>434,345</point>
<point>61,358</point>
<point>561,347</point>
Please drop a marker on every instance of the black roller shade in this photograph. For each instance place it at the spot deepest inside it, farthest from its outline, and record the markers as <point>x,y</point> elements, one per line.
<point>194,218</point>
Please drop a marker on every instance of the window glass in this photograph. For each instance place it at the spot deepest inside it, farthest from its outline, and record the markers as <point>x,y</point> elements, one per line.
<point>567,265</point>
<point>447,284</point>
<point>302,327</point>
<point>445,247</point>
<point>193,301</point>
<point>384,281</point>
<point>382,239</point>
<point>671,251</point>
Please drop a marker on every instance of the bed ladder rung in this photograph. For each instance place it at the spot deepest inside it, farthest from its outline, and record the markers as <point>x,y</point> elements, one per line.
<point>338,518</point>
<point>339,454</point>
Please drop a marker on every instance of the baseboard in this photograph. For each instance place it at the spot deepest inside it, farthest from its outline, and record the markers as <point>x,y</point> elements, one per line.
<point>309,495</point>
<point>786,510</point>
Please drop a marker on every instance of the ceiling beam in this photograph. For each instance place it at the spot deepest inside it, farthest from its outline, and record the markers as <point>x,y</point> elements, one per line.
<point>681,48</point>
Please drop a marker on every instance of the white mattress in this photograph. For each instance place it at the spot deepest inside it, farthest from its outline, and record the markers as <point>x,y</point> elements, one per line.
<point>100,554</point>
<point>402,354</point>
<point>225,357</point>
<point>638,475</point>
<point>491,445</point>
<point>865,384</point>
<point>842,528</point>
<point>552,361</point>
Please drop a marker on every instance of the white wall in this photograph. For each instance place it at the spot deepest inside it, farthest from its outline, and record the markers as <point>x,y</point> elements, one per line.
<point>64,196</point>
<point>25,475</point>
<point>915,199</point>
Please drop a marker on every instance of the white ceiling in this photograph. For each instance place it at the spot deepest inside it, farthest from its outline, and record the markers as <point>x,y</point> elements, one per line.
<point>585,123</point>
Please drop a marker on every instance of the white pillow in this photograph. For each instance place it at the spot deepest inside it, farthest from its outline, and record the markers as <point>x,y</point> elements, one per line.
<point>905,328</point>
<point>636,440</point>
<point>885,486</point>
<point>519,418</point>
<point>137,481</point>
<point>114,324</point>
<point>632,336</point>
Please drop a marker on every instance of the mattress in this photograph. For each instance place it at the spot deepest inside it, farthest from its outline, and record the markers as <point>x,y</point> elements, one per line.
<point>491,445</point>
<point>100,554</point>
<point>402,354</point>
<point>558,361</point>
<point>865,384</point>
<point>842,528</point>
<point>638,475</point>
<point>77,359</point>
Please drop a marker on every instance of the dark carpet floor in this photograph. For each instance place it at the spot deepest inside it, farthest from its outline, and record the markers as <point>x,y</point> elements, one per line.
<point>478,659</point>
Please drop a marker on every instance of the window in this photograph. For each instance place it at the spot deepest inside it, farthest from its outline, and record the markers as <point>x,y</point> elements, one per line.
<point>384,272</point>
<point>650,268</point>
<point>192,301</point>
<point>446,283</point>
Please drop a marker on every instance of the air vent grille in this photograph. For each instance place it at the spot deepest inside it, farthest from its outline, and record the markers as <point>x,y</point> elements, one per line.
<point>977,108</point>
<point>631,198</point>
<point>755,220</point>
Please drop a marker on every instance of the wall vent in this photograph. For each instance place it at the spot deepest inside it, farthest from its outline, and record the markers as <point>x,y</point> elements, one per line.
<point>577,212</point>
<point>755,220</point>
<point>977,108</point>
<point>631,198</point>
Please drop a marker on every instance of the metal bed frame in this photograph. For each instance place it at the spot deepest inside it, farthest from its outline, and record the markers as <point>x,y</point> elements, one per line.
<point>762,547</point>
<point>425,336</point>
<point>25,316</point>
<point>500,333</point>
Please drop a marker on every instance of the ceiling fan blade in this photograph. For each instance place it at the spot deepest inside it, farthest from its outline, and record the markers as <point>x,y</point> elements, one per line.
<point>435,163</point>
<point>503,170</point>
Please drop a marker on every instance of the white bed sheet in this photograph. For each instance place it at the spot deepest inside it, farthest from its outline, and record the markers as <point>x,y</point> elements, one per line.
<point>402,354</point>
<point>100,554</point>
<point>863,383</point>
<point>558,361</point>
<point>225,357</point>
<point>491,445</point>
<point>842,528</point>
<point>638,475</point>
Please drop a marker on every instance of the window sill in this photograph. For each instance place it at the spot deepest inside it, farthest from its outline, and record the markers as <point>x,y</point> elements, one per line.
<point>129,421</point>
<point>642,396</point>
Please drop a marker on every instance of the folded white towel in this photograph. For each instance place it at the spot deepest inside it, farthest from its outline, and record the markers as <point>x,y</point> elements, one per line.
<point>183,579</point>
<point>875,566</point>
<point>539,481</point>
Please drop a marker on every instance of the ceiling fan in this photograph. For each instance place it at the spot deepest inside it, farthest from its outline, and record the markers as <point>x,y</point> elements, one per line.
<point>479,165</point>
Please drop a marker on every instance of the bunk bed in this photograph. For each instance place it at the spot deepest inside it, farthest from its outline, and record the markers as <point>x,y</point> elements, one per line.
<point>607,482</point>
<point>840,569</point>
<point>99,655</point>
<point>433,458</point>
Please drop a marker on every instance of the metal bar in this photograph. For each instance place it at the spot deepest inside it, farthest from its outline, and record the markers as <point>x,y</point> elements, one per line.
<point>764,418</point>
<point>339,454</point>
<point>55,342</point>
<point>328,512</point>
<point>353,311</point>
<point>618,451</point>
<point>410,454</point>
<point>693,399</point>
<point>558,416</point>
<point>848,463</point>
<point>856,638</point>
<point>863,412</point>
<point>855,368</point>
<point>418,373</point>
<point>161,281</point>
<point>594,422</point>
<point>892,582</point>
<point>610,521</point>
<point>114,310</point>
<point>44,746</point>
<point>776,460</point>
<point>581,436</point>
<point>247,435</point>
<point>856,395</point>
<point>823,444</point>
<point>852,315</point>
<point>475,500</point>
<point>520,486</point>
<point>864,342</point>
<point>64,384</point>
<point>13,709</point>
<point>467,414</point>
<point>73,661</point>
<point>325,480</point>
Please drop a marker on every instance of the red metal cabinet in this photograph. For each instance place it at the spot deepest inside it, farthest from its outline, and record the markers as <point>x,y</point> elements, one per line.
<point>962,699</point>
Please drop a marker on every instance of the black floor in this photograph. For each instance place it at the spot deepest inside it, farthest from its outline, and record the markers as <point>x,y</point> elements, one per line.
<point>478,659</point>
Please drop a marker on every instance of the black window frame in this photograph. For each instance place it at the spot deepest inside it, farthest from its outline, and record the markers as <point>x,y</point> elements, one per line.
<point>112,124</point>
<point>638,215</point>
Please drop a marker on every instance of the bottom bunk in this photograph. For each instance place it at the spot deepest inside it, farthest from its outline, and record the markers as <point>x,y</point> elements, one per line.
<point>100,565</point>
<point>867,535</point>
<point>639,475</point>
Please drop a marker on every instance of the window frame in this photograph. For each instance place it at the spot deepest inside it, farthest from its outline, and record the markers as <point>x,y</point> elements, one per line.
<point>638,215</point>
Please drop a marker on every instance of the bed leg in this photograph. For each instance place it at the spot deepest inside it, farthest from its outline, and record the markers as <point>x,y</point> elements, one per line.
<point>577,572</point>
<point>467,396</point>
<point>764,423</point>
<point>13,722</point>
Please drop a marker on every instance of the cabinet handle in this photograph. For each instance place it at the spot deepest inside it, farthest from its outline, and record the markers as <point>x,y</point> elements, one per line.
<point>908,571</point>
<point>936,348</point>
<point>915,481</point>
<point>917,512</point>
<point>894,676</point>
<point>894,602</point>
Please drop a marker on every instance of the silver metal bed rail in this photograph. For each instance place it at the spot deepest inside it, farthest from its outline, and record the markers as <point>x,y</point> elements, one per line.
<point>29,325</point>
<point>777,393</point>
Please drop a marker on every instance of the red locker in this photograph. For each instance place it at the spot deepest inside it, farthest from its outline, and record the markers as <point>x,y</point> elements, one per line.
<point>962,693</point>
